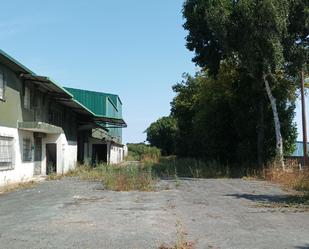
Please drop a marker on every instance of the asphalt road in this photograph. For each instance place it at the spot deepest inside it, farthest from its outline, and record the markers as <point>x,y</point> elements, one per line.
<point>211,213</point>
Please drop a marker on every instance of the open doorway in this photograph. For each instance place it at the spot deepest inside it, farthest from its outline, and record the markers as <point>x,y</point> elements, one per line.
<point>51,158</point>
<point>37,155</point>
<point>99,153</point>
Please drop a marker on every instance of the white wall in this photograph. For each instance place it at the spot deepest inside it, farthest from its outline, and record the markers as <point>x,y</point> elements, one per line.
<point>116,154</point>
<point>66,152</point>
<point>24,171</point>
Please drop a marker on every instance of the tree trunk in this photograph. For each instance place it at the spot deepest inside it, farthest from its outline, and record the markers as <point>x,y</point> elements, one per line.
<point>279,142</point>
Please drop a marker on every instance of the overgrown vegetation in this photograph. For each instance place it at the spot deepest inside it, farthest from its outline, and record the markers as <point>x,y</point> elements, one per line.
<point>171,167</point>
<point>142,152</point>
<point>115,178</point>
<point>181,242</point>
<point>292,178</point>
<point>239,108</point>
<point>17,186</point>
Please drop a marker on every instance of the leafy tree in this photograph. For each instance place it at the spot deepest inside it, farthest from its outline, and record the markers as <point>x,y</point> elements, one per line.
<point>296,42</point>
<point>162,134</point>
<point>217,118</point>
<point>183,110</point>
<point>254,34</point>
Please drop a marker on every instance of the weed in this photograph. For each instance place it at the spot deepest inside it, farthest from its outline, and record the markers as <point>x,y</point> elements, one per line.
<point>54,177</point>
<point>17,186</point>
<point>128,178</point>
<point>177,181</point>
<point>116,178</point>
<point>181,242</point>
<point>291,177</point>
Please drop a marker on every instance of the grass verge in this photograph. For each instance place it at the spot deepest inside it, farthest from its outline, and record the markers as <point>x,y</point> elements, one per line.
<point>17,186</point>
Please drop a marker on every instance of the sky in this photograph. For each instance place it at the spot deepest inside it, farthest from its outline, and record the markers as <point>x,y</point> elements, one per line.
<point>133,48</point>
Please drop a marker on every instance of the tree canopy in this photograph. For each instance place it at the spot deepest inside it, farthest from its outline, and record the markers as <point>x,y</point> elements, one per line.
<point>262,38</point>
<point>162,134</point>
<point>239,108</point>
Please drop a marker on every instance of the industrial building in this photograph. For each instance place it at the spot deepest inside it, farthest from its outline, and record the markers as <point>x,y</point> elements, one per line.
<point>45,128</point>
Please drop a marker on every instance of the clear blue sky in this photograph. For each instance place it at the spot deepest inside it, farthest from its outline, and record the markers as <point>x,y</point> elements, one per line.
<point>134,48</point>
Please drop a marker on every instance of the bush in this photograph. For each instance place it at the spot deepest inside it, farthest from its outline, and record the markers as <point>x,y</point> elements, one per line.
<point>143,152</point>
<point>128,178</point>
<point>116,178</point>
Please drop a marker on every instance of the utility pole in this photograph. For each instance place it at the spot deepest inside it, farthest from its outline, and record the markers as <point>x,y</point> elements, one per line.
<point>303,105</point>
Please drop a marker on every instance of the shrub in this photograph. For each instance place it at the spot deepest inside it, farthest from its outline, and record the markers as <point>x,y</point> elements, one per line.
<point>116,178</point>
<point>143,152</point>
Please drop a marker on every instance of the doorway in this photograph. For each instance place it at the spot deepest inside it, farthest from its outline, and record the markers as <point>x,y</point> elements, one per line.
<point>99,153</point>
<point>51,158</point>
<point>37,155</point>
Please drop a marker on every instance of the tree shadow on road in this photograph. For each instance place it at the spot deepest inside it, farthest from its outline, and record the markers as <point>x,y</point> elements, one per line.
<point>302,247</point>
<point>277,201</point>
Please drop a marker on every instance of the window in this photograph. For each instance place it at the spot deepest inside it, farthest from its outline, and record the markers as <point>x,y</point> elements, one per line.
<point>27,152</point>
<point>2,85</point>
<point>6,153</point>
<point>27,97</point>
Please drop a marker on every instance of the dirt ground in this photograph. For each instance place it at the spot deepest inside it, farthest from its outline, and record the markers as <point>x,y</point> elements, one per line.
<point>211,213</point>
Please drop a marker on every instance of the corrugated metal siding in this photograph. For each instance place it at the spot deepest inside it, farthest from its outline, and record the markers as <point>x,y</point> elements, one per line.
<point>101,104</point>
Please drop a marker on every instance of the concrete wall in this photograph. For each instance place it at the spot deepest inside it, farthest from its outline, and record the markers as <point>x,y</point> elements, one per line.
<point>44,108</point>
<point>10,108</point>
<point>116,154</point>
<point>66,153</point>
<point>24,171</point>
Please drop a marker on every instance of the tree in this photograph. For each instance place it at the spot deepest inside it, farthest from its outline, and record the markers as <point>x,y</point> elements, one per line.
<point>183,110</point>
<point>253,34</point>
<point>217,117</point>
<point>162,134</point>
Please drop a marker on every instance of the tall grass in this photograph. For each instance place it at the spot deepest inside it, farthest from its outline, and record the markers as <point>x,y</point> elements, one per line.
<point>116,178</point>
<point>128,178</point>
<point>193,168</point>
<point>291,177</point>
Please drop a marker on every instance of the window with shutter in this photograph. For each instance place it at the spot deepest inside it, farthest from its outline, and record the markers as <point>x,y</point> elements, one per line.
<point>6,153</point>
<point>27,152</point>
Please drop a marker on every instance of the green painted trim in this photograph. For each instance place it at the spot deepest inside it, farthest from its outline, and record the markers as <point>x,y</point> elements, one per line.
<point>59,86</point>
<point>112,102</point>
<point>16,62</point>
<point>84,107</point>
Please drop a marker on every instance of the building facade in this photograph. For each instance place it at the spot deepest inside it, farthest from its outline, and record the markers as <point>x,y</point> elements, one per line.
<point>43,128</point>
<point>103,143</point>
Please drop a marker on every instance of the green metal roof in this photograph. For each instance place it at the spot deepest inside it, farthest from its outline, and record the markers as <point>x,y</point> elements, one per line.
<point>101,104</point>
<point>103,107</point>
